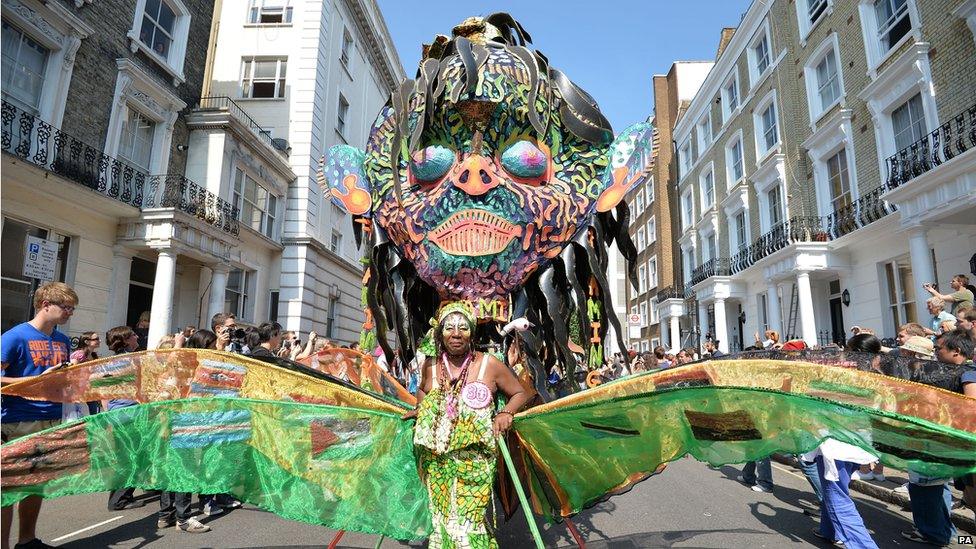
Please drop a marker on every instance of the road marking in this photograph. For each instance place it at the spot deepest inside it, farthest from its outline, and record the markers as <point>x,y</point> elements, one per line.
<point>87,528</point>
<point>860,500</point>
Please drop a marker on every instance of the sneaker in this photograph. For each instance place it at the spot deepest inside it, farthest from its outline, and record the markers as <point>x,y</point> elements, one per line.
<point>914,535</point>
<point>761,488</point>
<point>903,489</point>
<point>211,508</point>
<point>166,522</point>
<point>837,542</point>
<point>33,544</point>
<point>857,475</point>
<point>231,504</point>
<point>742,480</point>
<point>192,526</point>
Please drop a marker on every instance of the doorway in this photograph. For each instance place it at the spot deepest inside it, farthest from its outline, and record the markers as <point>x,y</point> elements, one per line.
<point>140,289</point>
<point>838,334</point>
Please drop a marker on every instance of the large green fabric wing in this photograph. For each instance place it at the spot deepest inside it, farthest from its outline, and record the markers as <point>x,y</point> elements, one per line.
<point>585,447</point>
<point>340,467</point>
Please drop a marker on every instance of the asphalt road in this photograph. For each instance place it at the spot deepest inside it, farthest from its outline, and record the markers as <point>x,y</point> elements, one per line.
<point>689,505</point>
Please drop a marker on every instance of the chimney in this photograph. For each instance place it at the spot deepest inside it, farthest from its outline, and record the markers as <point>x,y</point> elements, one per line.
<point>727,33</point>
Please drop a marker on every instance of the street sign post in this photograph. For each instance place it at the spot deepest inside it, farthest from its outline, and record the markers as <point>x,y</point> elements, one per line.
<point>40,258</point>
<point>634,323</point>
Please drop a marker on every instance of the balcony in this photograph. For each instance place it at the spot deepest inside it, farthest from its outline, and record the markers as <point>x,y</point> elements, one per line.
<point>862,212</point>
<point>717,266</point>
<point>224,103</point>
<point>941,145</point>
<point>670,292</point>
<point>39,143</point>
<point>793,230</point>
<point>176,191</point>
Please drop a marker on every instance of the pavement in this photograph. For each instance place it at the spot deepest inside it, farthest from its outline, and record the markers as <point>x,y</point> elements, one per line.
<point>688,505</point>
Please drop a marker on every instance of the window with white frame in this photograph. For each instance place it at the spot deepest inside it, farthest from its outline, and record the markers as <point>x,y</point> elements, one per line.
<point>345,52</point>
<point>908,122</point>
<point>739,228</point>
<point>24,65</point>
<point>335,244</point>
<point>269,12</point>
<point>894,22</point>
<point>341,114</point>
<point>707,182</point>
<point>240,285</point>
<point>263,78</point>
<point>160,29</point>
<point>684,154</point>
<point>709,247</point>
<point>639,204</point>
<point>839,180</point>
<point>734,161</point>
<point>704,132</point>
<point>633,309</point>
<point>644,317</point>
<point>730,96</point>
<point>641,279</point>
<point>687,210</point>
<point>809,13</point>
<point>759,55</point>
<point>815,9</point>
<point>649,191</point>
<point>900,292</point>
<point>652,230</point>
<point>257,207</point>
<point>654,320</point>
<point>136,140</point>
<point>827,76</point>
<point>641,242</point>
<point>655,343</point>
<point>774,203</point>
<point>767,136</point>
<point>652,272</point>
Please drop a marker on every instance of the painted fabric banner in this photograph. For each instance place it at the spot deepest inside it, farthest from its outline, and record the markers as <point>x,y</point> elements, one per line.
<point>151,376</point>
<point>359,369</point>
<point>340,467</point>
<point>602,441</point>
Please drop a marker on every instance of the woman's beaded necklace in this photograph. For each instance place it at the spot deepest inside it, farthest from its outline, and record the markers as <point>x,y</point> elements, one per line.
<point>454,385</point>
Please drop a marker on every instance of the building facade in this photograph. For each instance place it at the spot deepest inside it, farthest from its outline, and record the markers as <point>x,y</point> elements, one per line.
<point>94,152</point>
<point>649,203</point>
<point>825,171</point>
<point>311,74</point>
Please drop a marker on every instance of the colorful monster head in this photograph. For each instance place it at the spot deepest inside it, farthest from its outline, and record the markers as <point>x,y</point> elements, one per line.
<point>481,173</point>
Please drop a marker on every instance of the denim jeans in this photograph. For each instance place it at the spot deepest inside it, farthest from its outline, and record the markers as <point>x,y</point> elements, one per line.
<point>765,470</point>
<point>810,471</point>
<point>174,504</point>
<point>931,507</point>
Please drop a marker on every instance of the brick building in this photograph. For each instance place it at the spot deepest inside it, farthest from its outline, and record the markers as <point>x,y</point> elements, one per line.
<point>825,170</point>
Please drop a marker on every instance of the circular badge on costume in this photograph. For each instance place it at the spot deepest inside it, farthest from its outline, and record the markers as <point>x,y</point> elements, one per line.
<point>476,394</point>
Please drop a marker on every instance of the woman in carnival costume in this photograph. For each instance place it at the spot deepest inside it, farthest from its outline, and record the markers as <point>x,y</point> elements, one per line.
<point>456,429</point>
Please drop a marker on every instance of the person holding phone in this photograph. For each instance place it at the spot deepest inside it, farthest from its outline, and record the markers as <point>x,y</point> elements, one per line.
<point>34,348</point>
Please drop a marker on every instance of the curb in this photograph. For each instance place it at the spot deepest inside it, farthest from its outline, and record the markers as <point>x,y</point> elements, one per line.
<point>962,521</point>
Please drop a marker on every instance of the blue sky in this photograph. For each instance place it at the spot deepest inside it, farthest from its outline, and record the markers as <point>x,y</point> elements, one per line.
<point>610,48</point>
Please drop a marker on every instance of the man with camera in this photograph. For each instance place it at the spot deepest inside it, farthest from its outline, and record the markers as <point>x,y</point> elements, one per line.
<point>961,297</point>
<point>230,338</point>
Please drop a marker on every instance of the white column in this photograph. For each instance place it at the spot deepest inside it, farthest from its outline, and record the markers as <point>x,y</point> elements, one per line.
<point>675,334</point>
<point>664,329</point>
<point>218,287</point>
<point>702,324</point>
<point>162,299</point>
<point>721,328</point>
<point>773,309</point>
<point>118,296</point>
<point>807,320</point>
<point>922,268</point>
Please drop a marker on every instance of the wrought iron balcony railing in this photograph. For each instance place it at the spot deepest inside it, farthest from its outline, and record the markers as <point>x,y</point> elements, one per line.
<point>176,191</point>
<point>220,102</point>
<point>717,266</point>
<point>795,229</point>
<point>941,145</point>
<point>45,146</point>
<point>867,209</point>
<point>670,292</point>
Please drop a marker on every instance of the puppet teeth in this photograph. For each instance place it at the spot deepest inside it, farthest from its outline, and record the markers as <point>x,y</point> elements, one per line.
<point>474,232</point>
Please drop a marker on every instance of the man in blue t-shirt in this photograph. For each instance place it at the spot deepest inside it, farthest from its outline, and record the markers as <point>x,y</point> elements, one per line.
<point>29,350</point>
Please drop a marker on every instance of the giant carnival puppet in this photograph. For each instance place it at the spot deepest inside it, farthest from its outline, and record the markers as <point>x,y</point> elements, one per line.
<point>486,199</point>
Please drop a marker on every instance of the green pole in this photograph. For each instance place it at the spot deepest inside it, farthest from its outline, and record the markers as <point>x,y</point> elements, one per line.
<point>521,494</point>
<point>380,542</point>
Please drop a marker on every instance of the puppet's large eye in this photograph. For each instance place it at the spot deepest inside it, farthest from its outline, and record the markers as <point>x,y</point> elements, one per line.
<point>525,160</point>
<point>431,163</point>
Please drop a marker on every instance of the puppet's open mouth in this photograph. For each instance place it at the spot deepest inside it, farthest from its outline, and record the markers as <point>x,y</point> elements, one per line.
<point>474,233</point>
